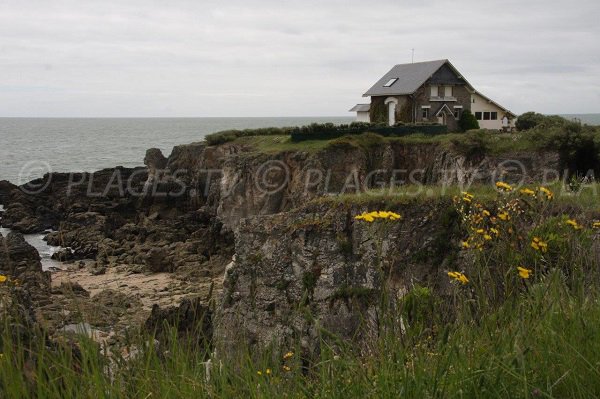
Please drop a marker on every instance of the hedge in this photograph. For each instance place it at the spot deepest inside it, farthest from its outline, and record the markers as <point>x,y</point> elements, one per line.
<point>320,132</point>
<point>326,131</point>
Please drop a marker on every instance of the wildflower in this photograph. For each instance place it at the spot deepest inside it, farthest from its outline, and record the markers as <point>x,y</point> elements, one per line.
<point>259,372</point>
<point>504,216</point>
<point>371,216</point>
<point>549,195</point>
<point>539,245</point>
<point>504,186</point>
<point>465,244</point>
<point>573,223</point>
<point>3,278</point>
<point>467,197</point>
<point>596,225</point>
<point>480,231</point>
<point>486,212</point>
<point>286,368</point>
<point>527,191</point>
<point>487,237</point>
<point>268,371</point>
<point>288,355</point>
<point>494,231</point>
<point>524,273</point>
<point>458,276</point>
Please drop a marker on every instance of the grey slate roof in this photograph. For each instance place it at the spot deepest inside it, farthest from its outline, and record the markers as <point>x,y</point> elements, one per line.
<point>360,108</point>
<point>410,78</point>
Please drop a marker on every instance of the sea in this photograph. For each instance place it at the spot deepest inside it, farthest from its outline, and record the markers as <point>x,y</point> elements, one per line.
<point>30,147</point>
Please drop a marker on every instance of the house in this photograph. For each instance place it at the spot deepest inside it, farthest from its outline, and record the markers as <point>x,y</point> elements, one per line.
<point>432,91</point>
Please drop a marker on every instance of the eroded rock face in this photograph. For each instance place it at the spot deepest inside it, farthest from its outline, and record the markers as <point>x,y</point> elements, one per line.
<point>299,274</point>
<point>20,261</point>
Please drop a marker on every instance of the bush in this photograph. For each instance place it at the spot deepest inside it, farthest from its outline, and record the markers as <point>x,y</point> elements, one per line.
<point>467,121</point>
<point>226,136</point>
<point>473,144</point>
<point>530,120</point>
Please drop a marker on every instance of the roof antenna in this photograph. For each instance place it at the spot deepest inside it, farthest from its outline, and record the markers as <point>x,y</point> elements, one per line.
<point>413,56</point>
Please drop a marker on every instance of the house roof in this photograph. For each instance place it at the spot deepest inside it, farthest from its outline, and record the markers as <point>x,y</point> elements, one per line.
<point>360,108</point>
<point>410,78</point>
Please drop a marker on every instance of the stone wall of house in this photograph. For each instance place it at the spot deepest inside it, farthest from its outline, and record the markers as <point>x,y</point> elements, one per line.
<point>422,97</point>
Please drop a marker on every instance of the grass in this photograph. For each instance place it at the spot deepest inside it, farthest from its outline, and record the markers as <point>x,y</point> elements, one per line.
<point>588,198</point>
<point>544,343</point>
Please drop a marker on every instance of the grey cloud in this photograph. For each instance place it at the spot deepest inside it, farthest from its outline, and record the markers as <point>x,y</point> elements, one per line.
<point>268,58</point>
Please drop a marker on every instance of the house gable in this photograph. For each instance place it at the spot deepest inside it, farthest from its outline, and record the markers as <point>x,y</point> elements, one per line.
<point>446,75</point>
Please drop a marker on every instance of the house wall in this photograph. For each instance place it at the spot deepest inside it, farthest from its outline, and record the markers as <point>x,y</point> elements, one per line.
<point>403,109</point>
<point>422,97</point>
<point>363,116</point>
<point>480,104</point>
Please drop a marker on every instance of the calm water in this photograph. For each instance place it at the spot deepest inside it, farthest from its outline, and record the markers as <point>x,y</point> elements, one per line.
<point>29,146</point>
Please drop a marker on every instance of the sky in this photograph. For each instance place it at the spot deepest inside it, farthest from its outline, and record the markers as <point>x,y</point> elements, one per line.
<point>62,58</point>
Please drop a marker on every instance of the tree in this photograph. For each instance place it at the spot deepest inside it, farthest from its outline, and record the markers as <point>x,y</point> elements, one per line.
<point>467,121</point>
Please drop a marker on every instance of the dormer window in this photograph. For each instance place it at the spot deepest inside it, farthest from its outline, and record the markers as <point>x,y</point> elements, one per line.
<point>390,82</point>
<point>434,91</point>
<point>448,91</point>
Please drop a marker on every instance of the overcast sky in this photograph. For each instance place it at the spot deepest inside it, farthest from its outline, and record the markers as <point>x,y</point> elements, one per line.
<point>286,58</point>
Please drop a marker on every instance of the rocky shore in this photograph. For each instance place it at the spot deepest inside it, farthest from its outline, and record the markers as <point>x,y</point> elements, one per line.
<point>214,225</point>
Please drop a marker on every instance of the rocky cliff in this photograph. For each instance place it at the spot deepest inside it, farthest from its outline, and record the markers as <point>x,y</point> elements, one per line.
<point>298,270</point>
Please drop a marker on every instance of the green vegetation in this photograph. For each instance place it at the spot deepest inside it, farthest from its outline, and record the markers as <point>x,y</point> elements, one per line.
<point>530,120</point>
<point>467,121</point>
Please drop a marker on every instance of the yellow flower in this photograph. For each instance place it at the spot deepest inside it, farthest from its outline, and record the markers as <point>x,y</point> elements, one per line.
<point>268,371</point>
<point>286,368</point>
<point>527,191</point>
<point>371,216</point>
<point>288,355</point>
<point>3,278</point>
<point>259,372</point>
<point>503,186</point>
<point>486,212</point>
<point>465,244</point>
<point>487,237</point>
<point>458,276</point>
<point>573,223</point>
<point>504,216</point>
<point>467,199</point>
<point>596,225</point>
<point>539,245</point>
<point>524,273</point>
<point>549,195</point>
<point>480,231</point>
<point>495,231</point>
<point>467,195</point>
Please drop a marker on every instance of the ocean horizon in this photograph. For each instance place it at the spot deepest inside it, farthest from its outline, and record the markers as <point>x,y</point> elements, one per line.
<point>34,146</point>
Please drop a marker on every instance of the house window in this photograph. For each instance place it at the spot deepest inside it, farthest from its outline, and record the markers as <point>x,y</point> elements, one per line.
<point>425,113</point>
<point>494,116</point>
<point>486,116</point>
<point>457,113</point>
<point>448,91</point>
<point>390,82</point>
<point>478,116</point>
<point>434,91</point>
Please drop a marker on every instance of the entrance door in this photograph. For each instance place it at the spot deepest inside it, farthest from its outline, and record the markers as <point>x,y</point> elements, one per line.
<point>392,113</point>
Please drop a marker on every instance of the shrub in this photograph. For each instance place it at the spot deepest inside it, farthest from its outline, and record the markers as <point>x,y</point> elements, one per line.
<point>467,121</point>
<point>473,144</point>
<point>530,120</point>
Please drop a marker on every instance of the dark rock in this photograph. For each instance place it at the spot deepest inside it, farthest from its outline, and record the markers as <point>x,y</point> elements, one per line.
<point>191,319</point>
